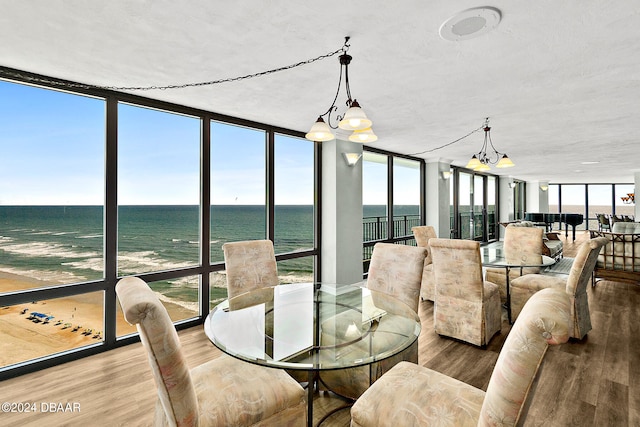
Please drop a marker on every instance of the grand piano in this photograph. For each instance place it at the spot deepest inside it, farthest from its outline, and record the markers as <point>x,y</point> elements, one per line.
<point>569,219</point>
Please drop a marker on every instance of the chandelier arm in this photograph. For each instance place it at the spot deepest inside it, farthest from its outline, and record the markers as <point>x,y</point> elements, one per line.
<point>496,152</point>
<point>333,107</point>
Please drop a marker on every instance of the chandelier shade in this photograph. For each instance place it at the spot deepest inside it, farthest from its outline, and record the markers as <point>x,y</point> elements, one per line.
<point>473,163</point>
<point>320,131</point>
<point>505,162</point>
<point>354,119</point>
<point>363,136</point>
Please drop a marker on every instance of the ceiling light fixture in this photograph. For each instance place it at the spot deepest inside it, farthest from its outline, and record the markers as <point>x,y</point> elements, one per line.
<point>480,161</point>
<point>353,119</point>
<point>629,198</point>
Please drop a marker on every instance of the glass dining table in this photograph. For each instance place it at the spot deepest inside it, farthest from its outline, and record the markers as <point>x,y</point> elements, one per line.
<point>311,327</point>
<point>493,256</point>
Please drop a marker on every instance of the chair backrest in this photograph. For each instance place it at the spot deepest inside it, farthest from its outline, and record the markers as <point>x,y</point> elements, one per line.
<point>544,320</point>
<point>422,234</point>
<point>457,267</point>
<point>249,265</point>
<point>176,392</point>
<point>583,265</point>
<point>522,244</point>
<point>397,271</point>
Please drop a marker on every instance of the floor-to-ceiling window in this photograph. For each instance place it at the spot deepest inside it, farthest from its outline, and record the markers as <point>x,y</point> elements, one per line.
<point>51,220</point>
<point>474,206</point>
<point>99,185</point>
<point>392,194</point>
<point>294,218</point>
<point>590,200</point>
<point>406,195</point>
<point>158,204</point>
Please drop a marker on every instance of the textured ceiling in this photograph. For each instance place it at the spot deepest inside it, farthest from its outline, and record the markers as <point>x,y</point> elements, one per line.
<point>560,81</point>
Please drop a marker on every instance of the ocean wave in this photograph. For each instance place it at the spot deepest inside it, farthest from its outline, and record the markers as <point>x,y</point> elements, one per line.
<point>45,250</point>
<point>90,236</point>
<point>189,305</point>
<point>94,264</point>
<point>136,262</point>
<point>48,277</point>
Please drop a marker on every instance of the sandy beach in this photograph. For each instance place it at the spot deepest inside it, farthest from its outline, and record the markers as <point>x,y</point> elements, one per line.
<point>77,321</point>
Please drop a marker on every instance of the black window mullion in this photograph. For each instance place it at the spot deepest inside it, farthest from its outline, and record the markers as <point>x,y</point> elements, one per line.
<point>111,219</point>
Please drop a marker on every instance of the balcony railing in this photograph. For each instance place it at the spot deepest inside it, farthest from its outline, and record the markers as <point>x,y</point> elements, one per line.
<point>375,229</point>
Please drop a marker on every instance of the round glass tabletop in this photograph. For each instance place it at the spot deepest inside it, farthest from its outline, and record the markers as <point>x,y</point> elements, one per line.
<point>309,326</point>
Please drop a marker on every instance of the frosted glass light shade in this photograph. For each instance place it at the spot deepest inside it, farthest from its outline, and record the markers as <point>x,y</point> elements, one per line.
<point>482,168</point>
<point>354,118</point>
<point>505,162</point>
<point>363,136</point>
<point>473,163</point>
<point>320,131</point>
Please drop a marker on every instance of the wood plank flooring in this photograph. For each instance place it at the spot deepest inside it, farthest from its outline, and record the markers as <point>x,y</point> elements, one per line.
<point>593,382</point>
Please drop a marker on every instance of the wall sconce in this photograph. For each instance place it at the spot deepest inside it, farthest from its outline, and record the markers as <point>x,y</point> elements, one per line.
<point>445,174</point>
<point>544,187</point>
<point>512,185</point>
<point>351,158</point>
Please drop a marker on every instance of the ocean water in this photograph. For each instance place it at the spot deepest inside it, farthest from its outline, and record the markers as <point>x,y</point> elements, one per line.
<point>64,244</point>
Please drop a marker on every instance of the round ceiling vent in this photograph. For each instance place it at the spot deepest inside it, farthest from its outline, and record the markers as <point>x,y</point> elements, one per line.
<point>470,23</point>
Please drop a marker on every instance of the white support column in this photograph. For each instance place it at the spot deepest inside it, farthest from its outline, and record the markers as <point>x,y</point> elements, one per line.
<point>437,199</point>
<point>341,214</point>
<point>537,198</point>
<point>507,202</point>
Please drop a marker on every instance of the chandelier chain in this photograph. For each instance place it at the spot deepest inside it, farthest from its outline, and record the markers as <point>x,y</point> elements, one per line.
<point>449,143</point>
<point>56,83</point>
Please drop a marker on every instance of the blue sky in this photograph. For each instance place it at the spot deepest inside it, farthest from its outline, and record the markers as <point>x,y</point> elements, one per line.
<point>52,147</point>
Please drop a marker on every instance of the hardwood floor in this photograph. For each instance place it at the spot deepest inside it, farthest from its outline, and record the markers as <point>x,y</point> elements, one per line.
<point>593,382</point>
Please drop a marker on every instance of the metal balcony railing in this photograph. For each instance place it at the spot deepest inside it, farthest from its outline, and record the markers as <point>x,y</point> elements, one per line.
<point>375,229</point>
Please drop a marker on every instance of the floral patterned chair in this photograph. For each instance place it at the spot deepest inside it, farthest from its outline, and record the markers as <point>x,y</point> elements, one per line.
<point>411,395</point>
<point>250,265</point>
<point>466,307</point>
<point>222,392</point>
<point>520,243</point>
<point>422,235</point>
<point>575,286</point>
<point>395,270</point>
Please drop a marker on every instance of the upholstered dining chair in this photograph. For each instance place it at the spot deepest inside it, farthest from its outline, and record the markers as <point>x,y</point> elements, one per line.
<point>520,243</point>
<point>466,307</point>
<point>575,285</point>
<point>422,234</point>
<point>249,265</point>
<point>222,392</point>
<point>410,395</point>
<point>395,270</point>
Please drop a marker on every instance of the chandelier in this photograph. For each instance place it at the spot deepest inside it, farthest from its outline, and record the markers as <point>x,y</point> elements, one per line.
<point>480,161</point>
<point>354,119</point>
<point>629,198</point>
